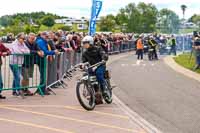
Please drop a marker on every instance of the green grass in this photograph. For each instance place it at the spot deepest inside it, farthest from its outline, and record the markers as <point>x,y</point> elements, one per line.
<point>185,31</point>
<point>184,60</point>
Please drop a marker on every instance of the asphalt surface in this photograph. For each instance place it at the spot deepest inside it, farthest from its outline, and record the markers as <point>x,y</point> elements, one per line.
<point>62,113</point>
<point>163,97</point>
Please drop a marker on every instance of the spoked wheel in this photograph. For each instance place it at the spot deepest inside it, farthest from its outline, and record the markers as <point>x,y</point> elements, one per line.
<point>86,96</point>
<point>108,96</point>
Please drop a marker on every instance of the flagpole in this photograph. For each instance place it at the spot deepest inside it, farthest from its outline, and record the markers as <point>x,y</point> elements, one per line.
<point>91,16</point>
<point>95,10</point>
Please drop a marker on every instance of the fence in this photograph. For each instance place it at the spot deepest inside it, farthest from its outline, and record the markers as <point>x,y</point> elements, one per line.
<point>22,71</point>
<point>184,42</point>
<point>31,71</point>
<point>123,46</point>
<point>25,71</point>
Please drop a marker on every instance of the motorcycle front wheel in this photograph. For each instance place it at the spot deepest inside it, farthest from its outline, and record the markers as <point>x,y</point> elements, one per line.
<point>86,96</point>
<point>108,97</point>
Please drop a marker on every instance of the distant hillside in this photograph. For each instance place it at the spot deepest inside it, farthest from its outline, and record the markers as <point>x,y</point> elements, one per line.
<point>25,18</point>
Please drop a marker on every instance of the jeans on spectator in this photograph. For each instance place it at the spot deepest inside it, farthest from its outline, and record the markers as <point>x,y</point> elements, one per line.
<point>173,50</point>
<point>120,47</point>
<point>16,70</point>
<point>198,59</point>
<point>41,65</point>
<point>1,80</point>
<point>140,54</point>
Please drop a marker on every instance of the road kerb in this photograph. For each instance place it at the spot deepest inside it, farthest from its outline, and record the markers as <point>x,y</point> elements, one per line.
<point>180,69</point>
<point>134,117</point>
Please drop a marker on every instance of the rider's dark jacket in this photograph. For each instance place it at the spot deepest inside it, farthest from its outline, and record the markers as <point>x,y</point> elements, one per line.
<point>94,55</point>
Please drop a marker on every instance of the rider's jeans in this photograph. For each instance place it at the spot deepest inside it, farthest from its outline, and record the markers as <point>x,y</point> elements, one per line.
<point>100,76</point>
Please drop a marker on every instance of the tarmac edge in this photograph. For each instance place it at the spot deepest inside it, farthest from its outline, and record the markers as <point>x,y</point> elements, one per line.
<point>134,117</point>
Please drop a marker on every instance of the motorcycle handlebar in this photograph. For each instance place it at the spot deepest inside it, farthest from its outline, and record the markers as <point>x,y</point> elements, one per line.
<point>98,64</point>
<point>88,66</point>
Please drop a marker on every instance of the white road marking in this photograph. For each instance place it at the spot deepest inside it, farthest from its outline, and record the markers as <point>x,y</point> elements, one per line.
<point>138,62</point>
<point>122,65</point>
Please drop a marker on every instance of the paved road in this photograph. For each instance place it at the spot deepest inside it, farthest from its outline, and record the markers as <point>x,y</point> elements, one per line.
<point>62,113</point>
<point>165,98</point>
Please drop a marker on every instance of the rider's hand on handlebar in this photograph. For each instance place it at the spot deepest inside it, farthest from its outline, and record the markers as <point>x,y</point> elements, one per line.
<point>81,66</point>
<point>104,61</point>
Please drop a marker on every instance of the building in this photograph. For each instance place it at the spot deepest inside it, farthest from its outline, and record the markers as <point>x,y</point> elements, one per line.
<point>187,25</point>
<point>81,23</point>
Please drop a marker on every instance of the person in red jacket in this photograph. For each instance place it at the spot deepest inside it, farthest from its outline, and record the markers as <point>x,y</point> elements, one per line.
<point>3,52</point>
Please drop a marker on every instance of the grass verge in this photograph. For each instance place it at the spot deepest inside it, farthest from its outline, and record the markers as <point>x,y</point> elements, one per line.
<point>186,61</point>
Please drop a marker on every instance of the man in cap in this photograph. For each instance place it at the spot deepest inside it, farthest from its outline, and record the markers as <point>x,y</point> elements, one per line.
<point>42,42</point>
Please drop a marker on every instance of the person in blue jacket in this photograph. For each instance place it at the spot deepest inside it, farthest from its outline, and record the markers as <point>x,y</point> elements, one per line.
<point>42,42</point>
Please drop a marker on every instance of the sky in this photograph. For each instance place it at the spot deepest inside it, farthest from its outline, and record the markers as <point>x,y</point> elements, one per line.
<point>81,8</point>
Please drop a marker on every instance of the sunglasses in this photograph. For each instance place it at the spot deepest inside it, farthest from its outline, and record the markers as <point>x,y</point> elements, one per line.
<point>85,42</point>
<point>22,38</point>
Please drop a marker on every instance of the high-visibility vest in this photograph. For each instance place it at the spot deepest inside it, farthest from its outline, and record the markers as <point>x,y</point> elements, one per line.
<point>139,44</point>
<point>153,44</point>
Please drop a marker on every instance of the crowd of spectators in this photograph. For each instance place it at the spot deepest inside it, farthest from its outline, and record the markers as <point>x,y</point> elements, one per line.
<point>26,51</point>
<point>33,49</point>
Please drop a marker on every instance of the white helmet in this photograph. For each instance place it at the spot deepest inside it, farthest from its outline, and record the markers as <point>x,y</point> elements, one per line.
<point>88,39</point>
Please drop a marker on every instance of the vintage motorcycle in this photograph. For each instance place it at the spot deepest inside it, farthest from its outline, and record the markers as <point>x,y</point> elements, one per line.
<point>88,88</point>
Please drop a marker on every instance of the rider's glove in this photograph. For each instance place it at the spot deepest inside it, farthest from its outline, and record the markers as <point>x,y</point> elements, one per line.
<point>105,57</point>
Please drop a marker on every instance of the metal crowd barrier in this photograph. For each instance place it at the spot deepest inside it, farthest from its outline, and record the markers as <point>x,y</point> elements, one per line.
<point>25,71</point>
<point>123,46</point>
<point>184,43</point>
<point>60,66</point>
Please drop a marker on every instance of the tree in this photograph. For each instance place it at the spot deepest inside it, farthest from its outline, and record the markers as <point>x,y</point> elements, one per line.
<point>133,15</point>
<point>107,23</point>
<point>121,17</point>
<point>148,17</point>
<point>138,18</point>
<point>27,29</point>
<point>183,8</point>
<point>6,21</point>
<point>61,27</point>
<point>168,21</point>
<point>195,19</point>
<point>48,21</point>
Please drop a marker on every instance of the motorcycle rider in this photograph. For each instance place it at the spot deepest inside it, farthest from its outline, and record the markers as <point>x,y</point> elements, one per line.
<point>93,55</point>
<point>152,46</point>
